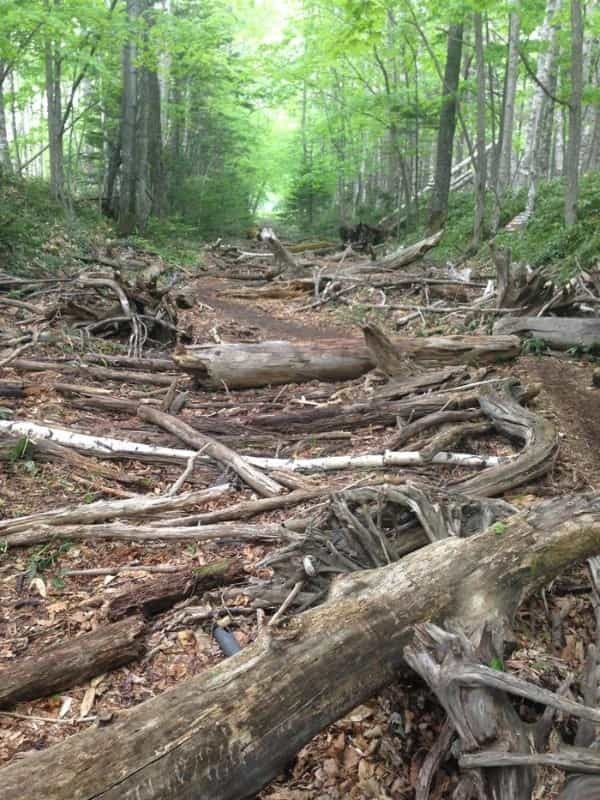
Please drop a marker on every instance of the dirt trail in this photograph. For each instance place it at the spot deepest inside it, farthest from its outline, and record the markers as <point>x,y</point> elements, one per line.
<point>569,397</point>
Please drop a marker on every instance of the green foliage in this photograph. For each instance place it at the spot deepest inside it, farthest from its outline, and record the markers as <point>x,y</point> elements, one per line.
<point>499,528</point>
<point>546,241</point>
<point>534,346</point>
<point>45,557</point>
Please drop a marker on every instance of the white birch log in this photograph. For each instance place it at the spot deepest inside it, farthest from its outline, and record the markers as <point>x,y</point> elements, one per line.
<point>121,448</point>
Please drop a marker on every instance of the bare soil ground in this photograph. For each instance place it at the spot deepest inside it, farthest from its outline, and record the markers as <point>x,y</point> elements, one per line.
<point>377,750</point>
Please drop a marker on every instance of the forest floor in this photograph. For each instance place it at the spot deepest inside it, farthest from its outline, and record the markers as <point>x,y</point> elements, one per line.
<point>377,750</point>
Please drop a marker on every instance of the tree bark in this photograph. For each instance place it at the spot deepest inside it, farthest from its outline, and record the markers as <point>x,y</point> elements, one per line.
<point>481,160</point>
<point>243,366</point>
<point>53,61</point>
<point>575,102</point>
<point>560,332</point>
<point>129,161</point>
<point>228,732</point>
<point>438,209</point>
<point>108,647</point>
<point>394,356</point>
<point>5,159</point>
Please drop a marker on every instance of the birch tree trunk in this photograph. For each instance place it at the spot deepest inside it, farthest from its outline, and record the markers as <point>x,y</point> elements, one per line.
<point>575,103</point>
<point>438,209</point>
<point>540,102</point>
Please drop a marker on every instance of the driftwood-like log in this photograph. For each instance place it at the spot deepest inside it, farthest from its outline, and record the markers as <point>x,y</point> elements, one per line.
<point>85,370</point>
<point>71,663</point>
<point>226,733</point>
<point>537,434</point>
<point>560,332</point>
<point>160,593</point>
<point>264,485</point>
<point>103,510</point>
<point>407,255</point>
<point>243,366</point>
<point>394,356</point>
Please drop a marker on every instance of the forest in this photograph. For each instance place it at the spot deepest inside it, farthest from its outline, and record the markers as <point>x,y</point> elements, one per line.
<point>299,412</point>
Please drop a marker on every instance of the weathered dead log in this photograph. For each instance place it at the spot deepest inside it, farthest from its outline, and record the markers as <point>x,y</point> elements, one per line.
<point>11,389</point>
<point>161,593</point>
<point>160,364</point>
<point>71,663</point>
<point>538,436</point>
<point>228,732</point>
<point>102,373</point>
<point>243,366</point>
<point>251,475</point>
<point>560,332</point>
<point>394,356</point>
<point>103,510</point>
<point>407,255</point>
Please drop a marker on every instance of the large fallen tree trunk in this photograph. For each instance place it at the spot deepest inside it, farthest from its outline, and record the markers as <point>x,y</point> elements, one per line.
<point>560,332</point>
<point>226,733</point>
<point>243,366</point>
<point>393,356</point>
<point>65,665</point>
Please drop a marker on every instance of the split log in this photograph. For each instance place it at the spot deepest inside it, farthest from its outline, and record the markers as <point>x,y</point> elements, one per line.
<point>72,663</point>
<point>159,594</point>
<point>393,356</point>
<point>187,742</point>
<point>264,485</point>
<point>103,510</point>
<point>243,366</point>
<point>407,255</point>
<point>560,332</point>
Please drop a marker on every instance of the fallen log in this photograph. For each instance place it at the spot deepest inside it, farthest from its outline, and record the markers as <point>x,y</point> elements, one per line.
<point>85,370</point>
<point>393,356</point>
<point>159,594</point>
<point>407,255</point>
<point>228,732</point>
<point>103,510</point>
<point>38,534</point>
<point>560,332</point>
<point>244,366</point>
<point>69,664</point>
<point>251,475</point>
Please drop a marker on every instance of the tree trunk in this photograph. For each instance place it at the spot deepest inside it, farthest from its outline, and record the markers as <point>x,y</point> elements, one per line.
<point>228,732</point>
<point>481,161</point>
<point>129,161</point>
<point>505,145</point>
<point>560,332</point>
<point>575,101</point>
<point>5,160</point>
<point>53,61</point>
<point>438,209</point>
<point>545,70</point>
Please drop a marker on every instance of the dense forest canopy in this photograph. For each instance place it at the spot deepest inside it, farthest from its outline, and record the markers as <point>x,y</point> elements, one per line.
<point>215,113</point>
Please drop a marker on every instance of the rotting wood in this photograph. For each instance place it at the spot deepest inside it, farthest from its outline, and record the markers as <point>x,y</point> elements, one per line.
<point>72,662</point>
<point>39,534</point>
<point>560,332</point>
<point>244,366</point>
<point>186,743</point>
<point>104,510</point>
<point>161,593</point>
<point>394,356</point>
<point>85,370</point>
<point>251,475</point>
<point>407,255</point>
